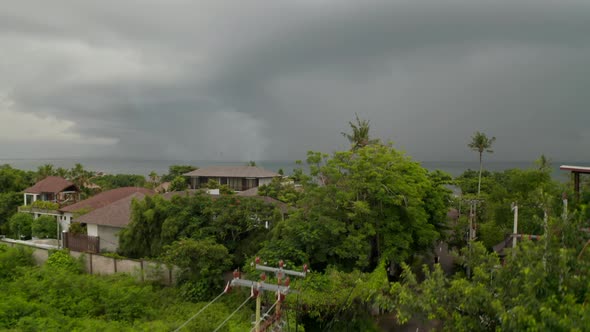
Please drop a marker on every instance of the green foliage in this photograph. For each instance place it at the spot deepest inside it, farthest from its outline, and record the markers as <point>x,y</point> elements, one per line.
<point>225,190</point>
<point>9,202</point>
<point>14,180</point>
<point>109,181</point>
<point>77,228</point>
<point>61,260</point>
<point>212,184</point>
<point>44,227</point>
<point>179,183</point>
<point>56,297</point>
<point>142,237</point>
<point>284,191</point>
<point>533,190</point>
<point>360,134</point>
<point>177,170</point>
<point>364,206</point>
<point>336,300</point>
<point>231,220</point>
<point>541,286</point>
<point>481,143</point>
<point>45,205</point>
<point>202,263</point>
<point>11,258</point>
<point>20,225</point>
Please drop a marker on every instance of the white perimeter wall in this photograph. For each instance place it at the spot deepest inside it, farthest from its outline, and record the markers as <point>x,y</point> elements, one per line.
<point>109,239</point>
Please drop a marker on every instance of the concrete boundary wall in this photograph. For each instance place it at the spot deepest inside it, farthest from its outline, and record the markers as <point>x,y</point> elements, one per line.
<point>103,265</point>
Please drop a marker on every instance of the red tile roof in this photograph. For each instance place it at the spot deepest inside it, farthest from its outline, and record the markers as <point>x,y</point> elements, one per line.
<point>106,198</point>
<point>116,214</point>
<point>233,172</point>
<point>51,184</point>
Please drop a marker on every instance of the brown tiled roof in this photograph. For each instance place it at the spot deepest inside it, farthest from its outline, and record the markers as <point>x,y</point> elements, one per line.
<point>249,192</point>
<point>51,184</point>
<point>106,198</point>
<point>233,172</point>
<point>116,214</point>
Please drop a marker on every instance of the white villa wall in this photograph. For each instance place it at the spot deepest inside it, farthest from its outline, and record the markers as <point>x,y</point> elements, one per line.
<point>109,239</point>
<point>65,221</point>
<point>92,229</point>
<point>263,181</point>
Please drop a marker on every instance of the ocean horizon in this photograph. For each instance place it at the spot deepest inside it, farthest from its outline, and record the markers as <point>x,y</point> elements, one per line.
<point>144,167</point>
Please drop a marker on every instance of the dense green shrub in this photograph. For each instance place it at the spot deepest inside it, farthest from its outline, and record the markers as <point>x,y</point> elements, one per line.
<point>20,225</point>
<point>13,257</point>
<point>44,227</point>
<point>77,228</point>
<point>55,298</point>
<point>61,260</point>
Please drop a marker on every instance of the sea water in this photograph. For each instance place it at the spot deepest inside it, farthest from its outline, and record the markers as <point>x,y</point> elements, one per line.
<point>144,167</point>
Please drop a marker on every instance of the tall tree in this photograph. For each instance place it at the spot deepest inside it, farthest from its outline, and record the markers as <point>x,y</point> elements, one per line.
<point>481,143</point>
<point>360,133</point>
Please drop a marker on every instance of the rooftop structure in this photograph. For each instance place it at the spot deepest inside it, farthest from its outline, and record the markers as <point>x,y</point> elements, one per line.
<point>576,171</point>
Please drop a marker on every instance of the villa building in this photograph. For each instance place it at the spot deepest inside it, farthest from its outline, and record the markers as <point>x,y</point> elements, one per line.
<point>237,178</point>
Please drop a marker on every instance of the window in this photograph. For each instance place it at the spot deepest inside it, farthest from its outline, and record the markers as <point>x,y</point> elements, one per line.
<point>235,183</point>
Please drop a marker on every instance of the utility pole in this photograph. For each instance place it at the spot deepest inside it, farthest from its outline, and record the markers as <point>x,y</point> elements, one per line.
<point>282,288</point>
<point>515,226</point>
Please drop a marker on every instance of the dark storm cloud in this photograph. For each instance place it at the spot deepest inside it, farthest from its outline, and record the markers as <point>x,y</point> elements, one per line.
<point>270,80</point>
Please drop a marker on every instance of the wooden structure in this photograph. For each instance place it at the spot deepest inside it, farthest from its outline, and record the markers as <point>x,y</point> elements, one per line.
<point>81,242</point>
<point>576,171</point>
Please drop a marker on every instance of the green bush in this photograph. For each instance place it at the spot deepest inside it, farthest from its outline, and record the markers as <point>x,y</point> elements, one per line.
<point>77,228</point>
<point>20,225</point>
<point>12,258</point>
<point>44,227</point>
<point>61,259</point>
<point>45,205</point>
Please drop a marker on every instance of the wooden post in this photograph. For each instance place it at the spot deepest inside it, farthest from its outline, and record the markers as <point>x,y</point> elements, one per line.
<point>258,305</point>
<point>141,269</point>
<point>115,264</point>
<point>577,185</point>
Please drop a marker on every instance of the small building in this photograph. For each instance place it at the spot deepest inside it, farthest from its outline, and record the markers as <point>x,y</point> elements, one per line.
<point>47,196</point>
<point>53,189</point>
<point>237,178</point>
<point>106,222</point>
<point>104,214</point>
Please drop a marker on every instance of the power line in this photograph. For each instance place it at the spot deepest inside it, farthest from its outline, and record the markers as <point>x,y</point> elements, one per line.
<point>233,313</point>
<point>202,309</point>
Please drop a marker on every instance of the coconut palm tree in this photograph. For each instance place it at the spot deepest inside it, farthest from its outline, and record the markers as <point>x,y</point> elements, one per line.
<point>481,143</point>
<point>360,134</point>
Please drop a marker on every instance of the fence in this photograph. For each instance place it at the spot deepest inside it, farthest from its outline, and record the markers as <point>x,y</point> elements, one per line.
<point>97,264</point>
<point>81,242</point>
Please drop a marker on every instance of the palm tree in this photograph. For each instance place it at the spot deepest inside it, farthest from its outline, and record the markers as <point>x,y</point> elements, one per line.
<point>481,143</point>
<point>44,171</point>
<point>360,134</point>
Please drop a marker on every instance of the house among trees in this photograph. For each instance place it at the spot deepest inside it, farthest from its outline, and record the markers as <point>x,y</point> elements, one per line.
<point>104,215</point>
<point>237,178</point>
<point>47,196</point>
<point>53,189</point>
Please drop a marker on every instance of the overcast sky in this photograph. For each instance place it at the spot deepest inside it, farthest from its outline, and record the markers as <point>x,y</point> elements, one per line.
<point>269,80</point>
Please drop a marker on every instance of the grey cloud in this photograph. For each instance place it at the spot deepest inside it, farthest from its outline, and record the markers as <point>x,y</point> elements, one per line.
<point>270,80</point>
